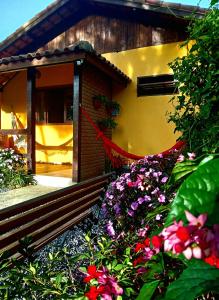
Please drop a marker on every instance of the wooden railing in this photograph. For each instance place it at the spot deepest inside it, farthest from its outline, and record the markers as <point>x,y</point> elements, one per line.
<point>46,217</point>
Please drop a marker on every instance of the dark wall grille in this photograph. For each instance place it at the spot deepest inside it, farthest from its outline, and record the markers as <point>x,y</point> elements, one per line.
<point>156,85</point>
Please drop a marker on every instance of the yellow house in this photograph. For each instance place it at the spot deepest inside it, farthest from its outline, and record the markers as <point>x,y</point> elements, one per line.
<point>46,74</point>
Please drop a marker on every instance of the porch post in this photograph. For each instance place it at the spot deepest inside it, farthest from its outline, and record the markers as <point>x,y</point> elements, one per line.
<point>76,176</point>
<point>31,72</point>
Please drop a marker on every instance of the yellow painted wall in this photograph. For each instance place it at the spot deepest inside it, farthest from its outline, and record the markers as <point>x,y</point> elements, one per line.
<point>142,124</point>
<point>14,100</point>
<point>48,136</point>
<point>55,75</point>
<point>54,143</point>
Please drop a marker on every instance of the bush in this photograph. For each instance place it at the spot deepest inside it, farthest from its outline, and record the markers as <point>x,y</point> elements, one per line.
<point>140,195</point>
<point>196,114</point>
<point>13,173</point>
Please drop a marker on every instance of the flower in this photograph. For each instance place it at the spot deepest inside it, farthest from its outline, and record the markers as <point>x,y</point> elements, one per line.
<point>109,228</point>
<point>94,292</point>
<point>191,156</point>
<point>157,241</point>
<point>134,205</point>
<point>200,221</point>
<point>92,273</point>
<point>180,158</point>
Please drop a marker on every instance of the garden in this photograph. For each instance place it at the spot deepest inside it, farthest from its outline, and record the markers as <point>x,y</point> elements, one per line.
<point>159,218</point>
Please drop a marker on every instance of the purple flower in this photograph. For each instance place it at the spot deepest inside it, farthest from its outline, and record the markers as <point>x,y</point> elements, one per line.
<point>134,205</point>
<point>141,200</point>
<point>147,198</point>
<point>155,191</point>
<point>117,208</point>
<point>109,228</point>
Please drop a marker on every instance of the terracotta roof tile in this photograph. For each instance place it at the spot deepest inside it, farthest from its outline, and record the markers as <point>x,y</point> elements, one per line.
<point>82,46</point>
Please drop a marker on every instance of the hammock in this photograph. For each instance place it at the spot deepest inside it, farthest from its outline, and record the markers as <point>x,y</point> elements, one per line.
<point>117,155</point>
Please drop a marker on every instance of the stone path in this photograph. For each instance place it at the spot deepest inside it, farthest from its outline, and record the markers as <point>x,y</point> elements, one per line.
<point>46,184</point>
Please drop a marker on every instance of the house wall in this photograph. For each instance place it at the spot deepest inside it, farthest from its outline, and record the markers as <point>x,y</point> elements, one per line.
<point>108,34</point>
<point>92,154</point>
<point>14,98</point>
<point>138,50</point>
<point>143,127</point>
<point>54,142</point>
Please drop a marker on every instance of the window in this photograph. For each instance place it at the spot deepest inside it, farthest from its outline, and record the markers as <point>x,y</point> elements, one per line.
<point>54,105</point>
<point>156,85</point>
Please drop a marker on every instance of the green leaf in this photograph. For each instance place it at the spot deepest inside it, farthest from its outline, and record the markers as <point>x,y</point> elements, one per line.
<point>119,267</point>
<point>33,270</point>
<point>198,194</point>
<point>182,169</point>
<point>148,290</point>
<point>197,279</point>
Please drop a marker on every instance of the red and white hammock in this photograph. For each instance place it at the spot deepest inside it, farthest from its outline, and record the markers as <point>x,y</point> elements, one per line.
<point>117,155</point>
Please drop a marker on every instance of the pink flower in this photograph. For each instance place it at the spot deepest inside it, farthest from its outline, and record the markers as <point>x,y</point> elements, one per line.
<point>191,156</point>
<point>181,158</point>
<point>200,221</point>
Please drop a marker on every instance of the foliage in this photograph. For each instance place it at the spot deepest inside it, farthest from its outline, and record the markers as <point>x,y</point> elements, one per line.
<point>12,170</point>
<point>201,187</point>
<point>107,123</point>
<point>196,114</point>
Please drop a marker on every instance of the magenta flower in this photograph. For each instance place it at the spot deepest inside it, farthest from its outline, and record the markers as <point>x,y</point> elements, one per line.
<point>130,213</point>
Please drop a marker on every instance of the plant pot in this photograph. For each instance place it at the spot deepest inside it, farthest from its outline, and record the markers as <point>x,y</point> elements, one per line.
<point>97,103</point>
<point>102,127</point>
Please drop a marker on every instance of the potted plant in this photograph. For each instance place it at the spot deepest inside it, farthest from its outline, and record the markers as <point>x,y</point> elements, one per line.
<point>99,100</point>
<point>106,123</point>
<point>112,108</point>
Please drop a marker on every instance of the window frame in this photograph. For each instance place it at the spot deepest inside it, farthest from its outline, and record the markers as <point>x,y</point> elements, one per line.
<point>156,85</point>
<point>46,108</point>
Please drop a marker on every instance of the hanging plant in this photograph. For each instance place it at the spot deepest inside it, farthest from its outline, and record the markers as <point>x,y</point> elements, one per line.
<point>106,123</point>
<point>112,108</point>
<point>99,100</point>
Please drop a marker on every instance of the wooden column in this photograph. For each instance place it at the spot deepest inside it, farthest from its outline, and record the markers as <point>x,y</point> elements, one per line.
<point>76,175</point>
<point>31,162</point>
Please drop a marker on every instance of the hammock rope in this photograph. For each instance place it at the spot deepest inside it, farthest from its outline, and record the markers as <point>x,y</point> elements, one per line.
<point>122,155</point>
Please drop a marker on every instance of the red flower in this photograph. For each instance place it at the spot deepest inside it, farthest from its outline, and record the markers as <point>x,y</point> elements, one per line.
<point>92,273</point>
<point>139,247</point>
<point>138,261</point>
<point>157,241</point>
<point>212,260</point>
<point>147,242</point>
<point>94,292</point>
<point>183,234</point>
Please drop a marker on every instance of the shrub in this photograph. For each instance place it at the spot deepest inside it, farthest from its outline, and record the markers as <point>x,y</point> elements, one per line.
<point>13,172</point>
<point>139,195</point>
<point>196,114</point>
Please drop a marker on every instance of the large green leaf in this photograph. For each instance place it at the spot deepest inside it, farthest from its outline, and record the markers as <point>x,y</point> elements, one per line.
<point>198,194</point>
<point>148,290</point>
<point>197,279</point>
